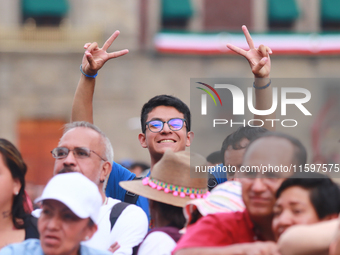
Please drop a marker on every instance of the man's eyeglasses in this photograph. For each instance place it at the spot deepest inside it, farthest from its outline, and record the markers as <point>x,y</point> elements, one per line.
<point>156,126</point>
<point>78,152</point>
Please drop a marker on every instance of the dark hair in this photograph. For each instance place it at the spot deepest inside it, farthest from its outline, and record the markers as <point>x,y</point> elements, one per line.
<point>299,154</point>
<point>90,223</point>
<point>214,157</point>
<point>139,164</point>
<point>165,100</point>
<point>324,194</point>
<point>16,165</point>
<point>172,213</point>
<point>236,137</point>
<point>195,216</point>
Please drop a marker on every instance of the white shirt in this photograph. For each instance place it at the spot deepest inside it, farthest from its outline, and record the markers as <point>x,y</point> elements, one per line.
<point>129,230</point>
<point>157,243</point>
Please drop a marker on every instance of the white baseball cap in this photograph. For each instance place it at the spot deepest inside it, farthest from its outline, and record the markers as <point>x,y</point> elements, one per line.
<point>75,191</point>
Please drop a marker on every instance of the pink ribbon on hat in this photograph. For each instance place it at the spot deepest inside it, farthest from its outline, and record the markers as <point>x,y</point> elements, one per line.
<point>175,189</point>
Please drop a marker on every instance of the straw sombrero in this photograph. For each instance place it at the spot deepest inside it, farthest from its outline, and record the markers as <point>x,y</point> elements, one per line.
<point>170,181</point>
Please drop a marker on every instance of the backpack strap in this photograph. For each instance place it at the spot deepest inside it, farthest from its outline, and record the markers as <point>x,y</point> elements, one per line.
<point>116,211</point>
<point>130,197</point>
<point>212,182</point>
<point>31,227</point>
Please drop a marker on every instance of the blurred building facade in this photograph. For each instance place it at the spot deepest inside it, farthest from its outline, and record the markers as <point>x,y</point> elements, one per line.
<point>40,58</point>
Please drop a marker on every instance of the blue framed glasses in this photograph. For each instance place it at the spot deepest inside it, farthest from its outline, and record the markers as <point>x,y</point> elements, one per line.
<point>157,126</point>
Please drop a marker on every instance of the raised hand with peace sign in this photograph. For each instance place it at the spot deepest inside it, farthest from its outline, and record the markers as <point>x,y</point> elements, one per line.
<point>260,65</point>
<point>95,57</point>
<point>258,58</point>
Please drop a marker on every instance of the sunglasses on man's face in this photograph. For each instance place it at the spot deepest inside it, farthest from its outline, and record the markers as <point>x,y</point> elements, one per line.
<point>157,126</point>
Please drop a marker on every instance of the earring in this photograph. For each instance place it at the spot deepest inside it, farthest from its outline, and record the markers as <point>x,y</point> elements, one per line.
<point>16,193</point>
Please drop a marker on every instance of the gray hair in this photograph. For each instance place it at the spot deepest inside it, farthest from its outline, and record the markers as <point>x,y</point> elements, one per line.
<point>106,141</point>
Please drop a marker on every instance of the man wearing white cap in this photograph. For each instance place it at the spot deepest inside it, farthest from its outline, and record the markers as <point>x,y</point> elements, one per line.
<point>85,149</point>
<point>70,213</point>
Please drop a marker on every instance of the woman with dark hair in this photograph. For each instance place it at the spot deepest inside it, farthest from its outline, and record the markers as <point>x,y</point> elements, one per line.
<point>168,188</point>
<point>15,224</point>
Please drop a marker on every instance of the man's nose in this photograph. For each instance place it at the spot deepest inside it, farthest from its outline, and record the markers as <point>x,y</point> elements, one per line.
<point>258,185</point>
<point>166,128</point>
<point>70,159</point>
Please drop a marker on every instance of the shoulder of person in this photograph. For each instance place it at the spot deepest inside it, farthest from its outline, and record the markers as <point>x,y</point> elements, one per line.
<point>27,247</point>
<point>86,250</point>
<point>157,242</point>
<point>159,236</point>
<point>224,216</point>
<point>132,210</point>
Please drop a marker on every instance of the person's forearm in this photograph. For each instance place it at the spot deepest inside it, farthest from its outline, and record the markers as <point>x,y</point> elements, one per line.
<point>308,239</point>
<point>235,249</point>
<point>82,107</point>
<point>263,101</point>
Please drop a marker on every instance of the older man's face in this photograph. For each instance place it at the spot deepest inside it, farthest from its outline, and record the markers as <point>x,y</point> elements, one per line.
<point>91,166</point>
<point>259,193</point>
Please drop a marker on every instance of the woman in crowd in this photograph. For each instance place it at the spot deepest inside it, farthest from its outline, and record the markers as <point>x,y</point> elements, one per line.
<point>70,210</point>
<point>305,199</point>
<point>15,224</point>
<point>168,188</point>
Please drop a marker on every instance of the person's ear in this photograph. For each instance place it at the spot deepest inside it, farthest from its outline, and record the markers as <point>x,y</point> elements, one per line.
<point>16,186</point>
<point>89,231</point>
<point>190,136</point>
<point>142,140</point>
<point>106,170</point>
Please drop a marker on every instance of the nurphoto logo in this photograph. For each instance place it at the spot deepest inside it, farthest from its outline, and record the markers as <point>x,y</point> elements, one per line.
<point>238,106</point>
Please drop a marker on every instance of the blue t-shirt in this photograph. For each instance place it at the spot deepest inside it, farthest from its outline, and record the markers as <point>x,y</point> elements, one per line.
<point>33,247</point>
<point>118,174</point>
<point>219,173</point>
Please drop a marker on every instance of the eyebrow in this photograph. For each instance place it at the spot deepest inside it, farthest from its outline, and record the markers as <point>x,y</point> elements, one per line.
<point>161,119</point>
<point>156,119</point>
<point>66,209</point>
<point>291,203</point>
<point>47,205</point>
<point>296,202</point>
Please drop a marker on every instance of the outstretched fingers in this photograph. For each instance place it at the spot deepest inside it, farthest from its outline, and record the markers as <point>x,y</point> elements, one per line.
<point>117,54</point>
<point>248,37</point>
<point>237,49</point>
<point>109,41</point>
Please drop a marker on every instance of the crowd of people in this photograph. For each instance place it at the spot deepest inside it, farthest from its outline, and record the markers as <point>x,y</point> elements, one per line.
<point>93,205</point>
